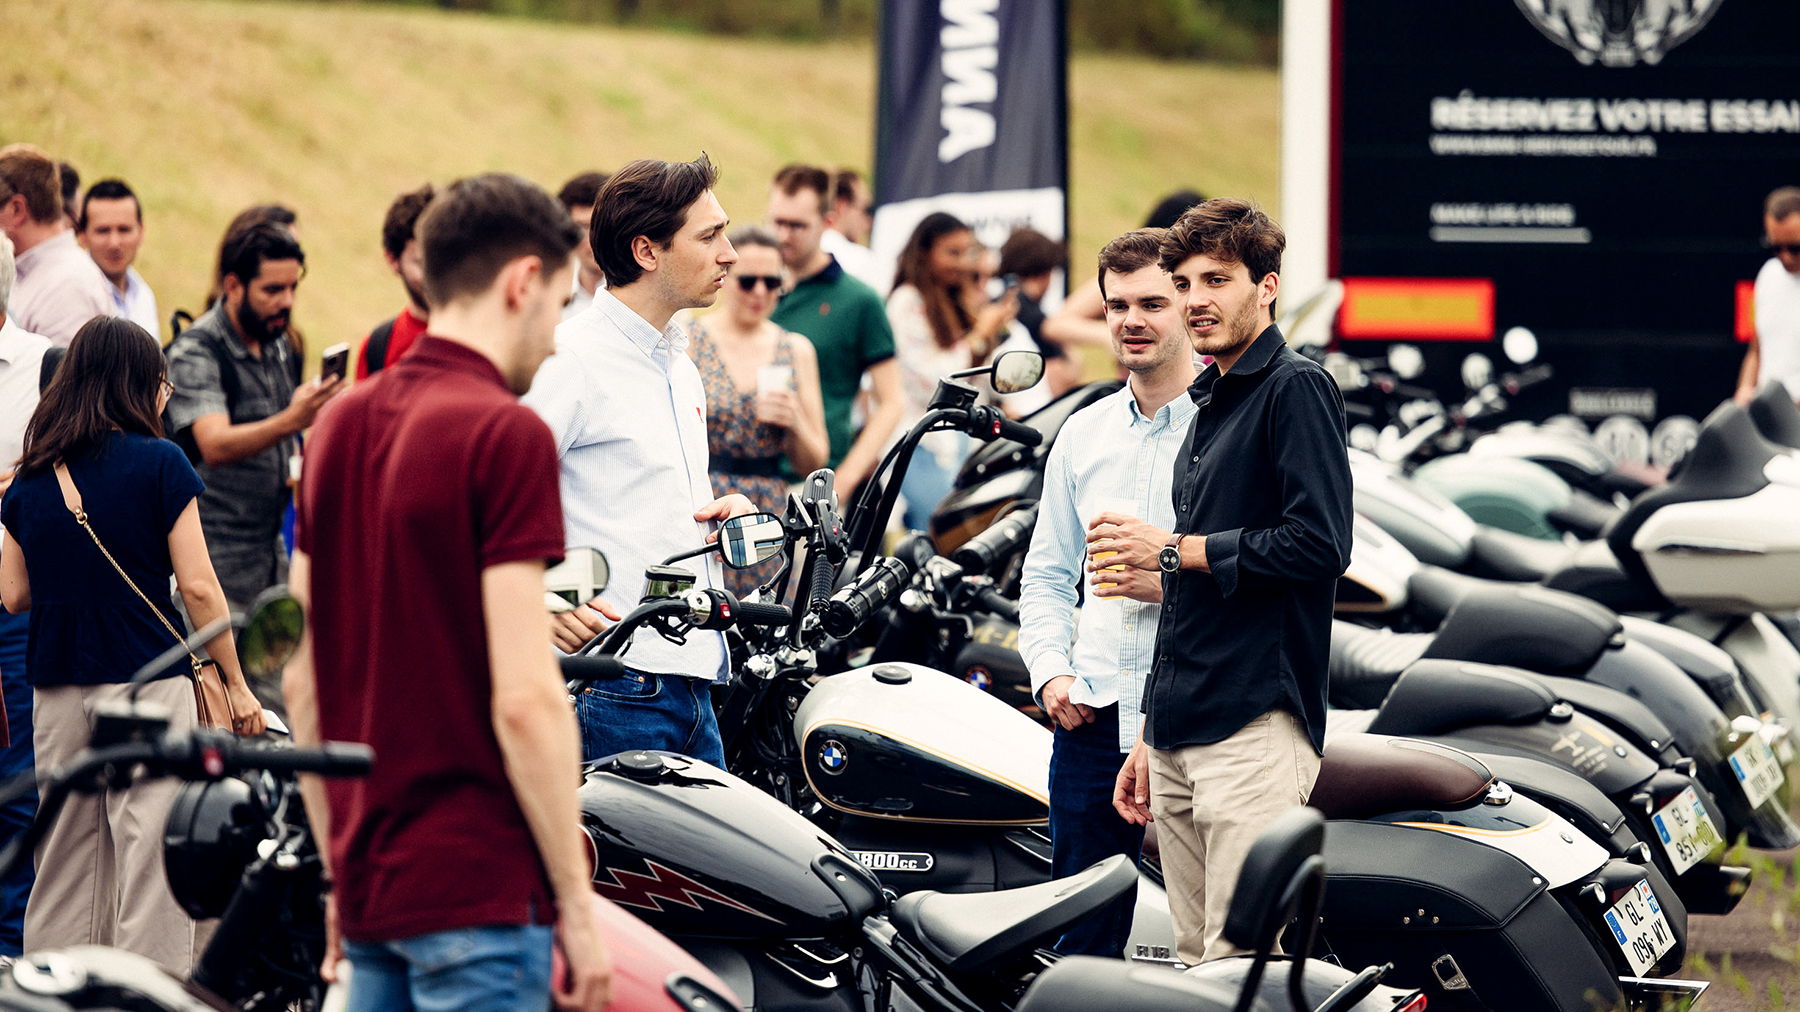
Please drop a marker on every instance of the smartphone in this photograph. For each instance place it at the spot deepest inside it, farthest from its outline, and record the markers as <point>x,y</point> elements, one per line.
<point>334,362</point>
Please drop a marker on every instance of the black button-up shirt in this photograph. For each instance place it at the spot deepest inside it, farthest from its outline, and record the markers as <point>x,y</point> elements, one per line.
<point>1265,478</point>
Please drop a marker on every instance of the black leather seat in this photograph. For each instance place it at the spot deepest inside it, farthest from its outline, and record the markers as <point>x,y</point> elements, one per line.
<point>1726,463</point>
<point>1586,516</point>
<point>1431,591</point>
<point>1503,555</point>
<point>1369,774</point>
<point>1435,697</point>
<point>971,932</point>
<point>1776,415</point>
<point>1526,627</point>
<point>1594,572</point>
<point>1365,663</point>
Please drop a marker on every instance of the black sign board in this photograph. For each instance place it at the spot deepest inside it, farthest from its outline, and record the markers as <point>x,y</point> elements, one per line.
<point>1603,162</point>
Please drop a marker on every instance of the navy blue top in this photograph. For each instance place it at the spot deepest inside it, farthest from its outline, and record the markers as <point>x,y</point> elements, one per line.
<point>87,627</point>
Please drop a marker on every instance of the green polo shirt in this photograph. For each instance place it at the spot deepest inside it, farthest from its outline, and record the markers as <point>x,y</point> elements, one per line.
<point>847,324</point>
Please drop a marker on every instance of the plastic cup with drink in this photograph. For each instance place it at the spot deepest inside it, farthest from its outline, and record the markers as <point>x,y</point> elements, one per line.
<point>1123,507</point>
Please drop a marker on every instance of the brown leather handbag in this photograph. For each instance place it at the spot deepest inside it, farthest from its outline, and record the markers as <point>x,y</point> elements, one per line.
<point>212,704</point>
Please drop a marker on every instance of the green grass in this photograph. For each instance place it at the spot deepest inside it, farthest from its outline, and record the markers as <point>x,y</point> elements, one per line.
<point>206,107</point>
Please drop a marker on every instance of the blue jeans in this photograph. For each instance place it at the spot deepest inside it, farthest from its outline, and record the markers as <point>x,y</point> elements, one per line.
<point>1085,828</point>
<point>15,890</point>
<point>493,969</point>
<point>667,713</point>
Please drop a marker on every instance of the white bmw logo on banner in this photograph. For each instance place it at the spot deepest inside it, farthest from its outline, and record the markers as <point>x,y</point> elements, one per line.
<point>1619,34</point>
<point>834,756</point>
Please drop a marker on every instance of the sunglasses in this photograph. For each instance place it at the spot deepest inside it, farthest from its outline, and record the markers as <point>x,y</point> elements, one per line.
<point>1789,248</point>
<point>748,282</point>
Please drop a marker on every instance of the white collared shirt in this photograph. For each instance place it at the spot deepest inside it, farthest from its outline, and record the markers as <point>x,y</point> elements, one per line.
<point>137,302</point>
<point>21,357</point>
<point>1106,451</point>
<point>60,288</point>
<point>628,411</point>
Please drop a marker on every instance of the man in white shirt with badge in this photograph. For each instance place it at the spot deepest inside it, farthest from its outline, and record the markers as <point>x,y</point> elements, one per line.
<point>628,411</point>
<point>1775,350</point>
<point>1116,455</point>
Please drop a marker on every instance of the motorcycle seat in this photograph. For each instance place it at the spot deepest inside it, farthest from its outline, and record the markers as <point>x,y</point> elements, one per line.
<point>971,932</point>
<point>1526,627</point>
<point>1503,555</point>
<point>1369,774</point>
<point>1438,696</point>
<point>1594,572</point>
<point>1776,415</point>
<point>1365,662</point>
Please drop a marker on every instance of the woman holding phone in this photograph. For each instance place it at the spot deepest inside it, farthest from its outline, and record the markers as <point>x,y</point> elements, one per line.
<point>765,418</point>
<point>103,512</point>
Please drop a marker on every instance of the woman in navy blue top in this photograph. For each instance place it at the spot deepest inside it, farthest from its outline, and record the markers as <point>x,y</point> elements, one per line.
<point>100,875</point>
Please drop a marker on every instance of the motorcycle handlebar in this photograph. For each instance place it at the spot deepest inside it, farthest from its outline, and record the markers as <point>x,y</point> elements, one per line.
<point>331,759</point>
<point>824,574</point>
<point>1020,433</point>
<point>998,603</point>
<point>988,422</point>
<point>874,588</point>
<point>760,613</point>
<point>998,542</point>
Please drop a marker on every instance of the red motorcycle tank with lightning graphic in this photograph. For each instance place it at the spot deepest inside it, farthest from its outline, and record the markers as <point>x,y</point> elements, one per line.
<point>694,851</point>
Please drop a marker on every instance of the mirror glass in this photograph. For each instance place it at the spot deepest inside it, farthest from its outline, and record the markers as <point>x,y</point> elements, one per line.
<point>1519,344</point>
<point>1406,360</point>
<point>1477,371</point>
<point>747,540</point>
<point>1017,370</point>
<point>271,633</point>
<point>577,579</point>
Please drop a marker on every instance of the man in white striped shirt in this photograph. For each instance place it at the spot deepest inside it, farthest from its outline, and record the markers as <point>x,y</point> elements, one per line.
<point>628,411</point>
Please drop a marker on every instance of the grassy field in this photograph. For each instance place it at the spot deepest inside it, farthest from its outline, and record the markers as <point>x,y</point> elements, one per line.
<point>207,106</point>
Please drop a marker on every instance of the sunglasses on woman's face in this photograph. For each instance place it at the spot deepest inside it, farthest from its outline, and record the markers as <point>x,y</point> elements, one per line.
<point>748,282</point>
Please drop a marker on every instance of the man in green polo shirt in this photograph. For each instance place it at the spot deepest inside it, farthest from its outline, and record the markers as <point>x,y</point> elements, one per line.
<point>843,318</point>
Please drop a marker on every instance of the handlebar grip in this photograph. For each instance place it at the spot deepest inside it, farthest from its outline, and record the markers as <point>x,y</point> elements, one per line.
<point>998,603</point>
<point>853,605</point>
<point>1000,541</point>
<point>331,759</point>
<point>761,613</point>
<point>591,669</point>
<point>1020,433</point>
<point>824,574</point>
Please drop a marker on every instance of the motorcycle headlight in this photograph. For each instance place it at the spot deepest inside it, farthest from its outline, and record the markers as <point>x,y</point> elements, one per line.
<point>211,837</point>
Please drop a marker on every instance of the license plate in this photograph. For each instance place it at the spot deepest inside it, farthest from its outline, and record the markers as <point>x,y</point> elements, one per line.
<point>1687,832</point>
<point>1639,927</point>
<point>1756,769</point>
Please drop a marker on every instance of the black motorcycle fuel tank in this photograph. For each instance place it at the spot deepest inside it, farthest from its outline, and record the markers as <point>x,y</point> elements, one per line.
<point>695,851</point>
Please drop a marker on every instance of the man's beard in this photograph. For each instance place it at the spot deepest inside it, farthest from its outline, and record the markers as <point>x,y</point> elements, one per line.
<point>413,293</point>
<point>259,328</point>
<point>1239,331</point>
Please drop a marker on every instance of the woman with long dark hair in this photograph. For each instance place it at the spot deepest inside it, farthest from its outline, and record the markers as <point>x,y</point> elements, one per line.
<point>942,322</point>
<point>101,515</point>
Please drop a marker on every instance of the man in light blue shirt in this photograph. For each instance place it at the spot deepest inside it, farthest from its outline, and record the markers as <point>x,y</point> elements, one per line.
<point>628,411</point>
<point>1116,455</point>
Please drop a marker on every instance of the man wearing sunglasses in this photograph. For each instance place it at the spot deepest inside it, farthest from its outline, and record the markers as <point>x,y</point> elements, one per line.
<point>1775,349</point>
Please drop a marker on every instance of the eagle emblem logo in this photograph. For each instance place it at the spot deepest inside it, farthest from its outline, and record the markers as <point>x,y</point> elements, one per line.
<point>1619,33</point>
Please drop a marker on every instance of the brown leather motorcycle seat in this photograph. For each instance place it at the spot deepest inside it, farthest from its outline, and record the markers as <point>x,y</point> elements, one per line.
<point>1363,775</point>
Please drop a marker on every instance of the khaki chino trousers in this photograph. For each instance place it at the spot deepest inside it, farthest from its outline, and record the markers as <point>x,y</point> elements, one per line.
<point>100,877</point>
<point>1210,802</point>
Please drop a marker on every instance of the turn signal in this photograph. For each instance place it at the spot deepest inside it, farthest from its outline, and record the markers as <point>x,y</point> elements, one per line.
<point>1417,1004</point>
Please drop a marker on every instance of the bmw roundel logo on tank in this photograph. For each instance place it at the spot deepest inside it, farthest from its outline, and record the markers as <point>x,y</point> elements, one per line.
<point>978,676</point>
<point>833,756</point>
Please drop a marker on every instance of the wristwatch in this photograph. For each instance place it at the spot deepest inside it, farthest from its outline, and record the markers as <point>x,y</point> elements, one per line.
<point>1169,559</point>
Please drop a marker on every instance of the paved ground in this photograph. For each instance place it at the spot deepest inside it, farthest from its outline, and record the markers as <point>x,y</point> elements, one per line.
<point>1752,956</point>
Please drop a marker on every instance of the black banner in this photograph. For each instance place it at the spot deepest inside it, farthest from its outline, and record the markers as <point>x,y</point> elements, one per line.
<point>1602,163</point>
<point>972,118</point>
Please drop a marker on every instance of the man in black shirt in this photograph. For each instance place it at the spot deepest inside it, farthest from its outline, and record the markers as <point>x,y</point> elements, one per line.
<point>1235,702</point>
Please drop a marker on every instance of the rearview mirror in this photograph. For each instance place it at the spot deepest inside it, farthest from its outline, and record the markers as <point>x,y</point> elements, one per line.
<point>579,578</point>
<point>271,633</point>
<point>751,538</point>
<point>1017,370</point>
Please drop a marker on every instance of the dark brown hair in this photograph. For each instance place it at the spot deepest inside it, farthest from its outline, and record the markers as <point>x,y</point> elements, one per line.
<point>480,224</point>
<point>1782,202</point>
<point>109,379</point>
<point>245,250</point>
<point>107,189</point>
<point>794,178</point>
<point>26,170</point>
<point>648,198</point>
<point>1028,252</point>
<point>402,218</point>
<point>582,191</point>
<point>844,183</point>
<point>250,216</point>
<point>1133,251</point>
<point>944,308</point>
<point>1230,231</point>
<point>753,235</point>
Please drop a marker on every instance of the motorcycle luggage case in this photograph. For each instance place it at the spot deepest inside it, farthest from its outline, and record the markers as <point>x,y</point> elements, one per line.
<point>1728,555</point>
<point>903,741</point>
<point>1414,896</point>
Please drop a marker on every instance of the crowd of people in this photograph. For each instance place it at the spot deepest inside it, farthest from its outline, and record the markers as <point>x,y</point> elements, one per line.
<point>621,367</point>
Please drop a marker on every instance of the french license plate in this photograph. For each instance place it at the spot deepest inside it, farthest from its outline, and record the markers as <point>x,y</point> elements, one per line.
<point>1687,832</point>
<point>1756,768</point>
<point>1639,927</point>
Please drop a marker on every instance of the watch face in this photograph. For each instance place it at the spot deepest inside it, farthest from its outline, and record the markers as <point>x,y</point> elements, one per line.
<point>1169,559</point>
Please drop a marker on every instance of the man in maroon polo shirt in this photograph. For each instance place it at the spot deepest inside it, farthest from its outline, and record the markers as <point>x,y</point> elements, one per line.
<point>427,512</point>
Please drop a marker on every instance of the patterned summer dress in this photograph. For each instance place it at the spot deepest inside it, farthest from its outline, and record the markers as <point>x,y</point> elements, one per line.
<point>747,456</point>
